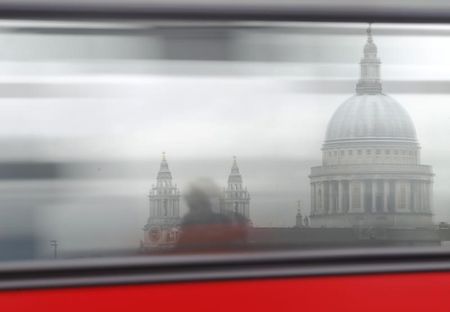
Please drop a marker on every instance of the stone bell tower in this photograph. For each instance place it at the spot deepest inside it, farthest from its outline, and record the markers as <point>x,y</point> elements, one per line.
<point>162,228</point>
<point>236,196</point>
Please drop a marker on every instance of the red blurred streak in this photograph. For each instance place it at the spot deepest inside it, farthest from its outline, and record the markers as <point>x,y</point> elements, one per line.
<point>211,236</point>
<point>395,292</point>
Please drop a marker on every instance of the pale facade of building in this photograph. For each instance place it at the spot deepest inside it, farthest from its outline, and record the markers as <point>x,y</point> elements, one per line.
<point>236,198</point>
<point>371,173</point>
<point>162,228</point>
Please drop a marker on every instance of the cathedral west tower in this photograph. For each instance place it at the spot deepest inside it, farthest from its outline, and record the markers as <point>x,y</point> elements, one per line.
<point>236,197</point>
<point>161,229</point>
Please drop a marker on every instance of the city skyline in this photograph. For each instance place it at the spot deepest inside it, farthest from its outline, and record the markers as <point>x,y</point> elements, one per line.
<point>125,140</point>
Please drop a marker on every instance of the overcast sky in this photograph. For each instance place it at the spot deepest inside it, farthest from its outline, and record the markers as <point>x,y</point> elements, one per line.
<point>273,116</point>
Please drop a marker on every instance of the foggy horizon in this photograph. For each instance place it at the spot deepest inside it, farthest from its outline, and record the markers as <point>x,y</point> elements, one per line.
<point>104,124</point>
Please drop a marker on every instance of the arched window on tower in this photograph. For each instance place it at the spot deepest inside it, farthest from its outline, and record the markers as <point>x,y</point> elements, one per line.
<point>319,201</point>
<point>165,204</point>
<point>158,207</point>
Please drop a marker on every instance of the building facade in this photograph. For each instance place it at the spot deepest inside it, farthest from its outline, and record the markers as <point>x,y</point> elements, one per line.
<point>162,227</point>
<point>236,198</point>
<point>371,175</point>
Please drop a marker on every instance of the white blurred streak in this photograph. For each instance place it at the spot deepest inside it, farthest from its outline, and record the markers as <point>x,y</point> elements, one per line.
<point>99,124</point>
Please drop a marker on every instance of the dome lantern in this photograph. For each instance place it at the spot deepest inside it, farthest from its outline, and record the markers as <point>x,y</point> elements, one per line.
<point>369,81</point>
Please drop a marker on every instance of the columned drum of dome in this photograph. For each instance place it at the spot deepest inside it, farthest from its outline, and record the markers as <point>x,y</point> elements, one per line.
<point>371,174</point>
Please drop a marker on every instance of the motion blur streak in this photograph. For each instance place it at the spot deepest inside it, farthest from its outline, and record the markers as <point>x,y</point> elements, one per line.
<point>204,228</point>
<point>405,292</point>
<point>86,109</point>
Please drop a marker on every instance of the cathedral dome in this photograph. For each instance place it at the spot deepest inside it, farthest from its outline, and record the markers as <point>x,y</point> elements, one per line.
<point>370,117</point>
<point>371,176</point>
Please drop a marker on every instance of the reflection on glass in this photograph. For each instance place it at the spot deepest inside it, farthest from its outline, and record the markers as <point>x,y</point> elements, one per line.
<point>83,125</point>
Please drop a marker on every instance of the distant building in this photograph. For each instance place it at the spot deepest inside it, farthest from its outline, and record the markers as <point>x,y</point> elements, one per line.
<point>299,219</point>
<point>162,227</point>
<point>371,174</point>
<point>285,238</point>
<point>236,198</point>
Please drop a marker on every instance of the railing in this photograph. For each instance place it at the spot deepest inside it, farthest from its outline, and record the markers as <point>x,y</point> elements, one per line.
<point>371,169</point>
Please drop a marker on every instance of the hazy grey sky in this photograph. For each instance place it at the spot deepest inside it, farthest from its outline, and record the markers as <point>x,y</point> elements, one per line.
<point>200,114</point>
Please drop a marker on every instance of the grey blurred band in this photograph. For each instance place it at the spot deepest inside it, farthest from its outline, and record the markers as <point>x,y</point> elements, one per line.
<point>244,265</point>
